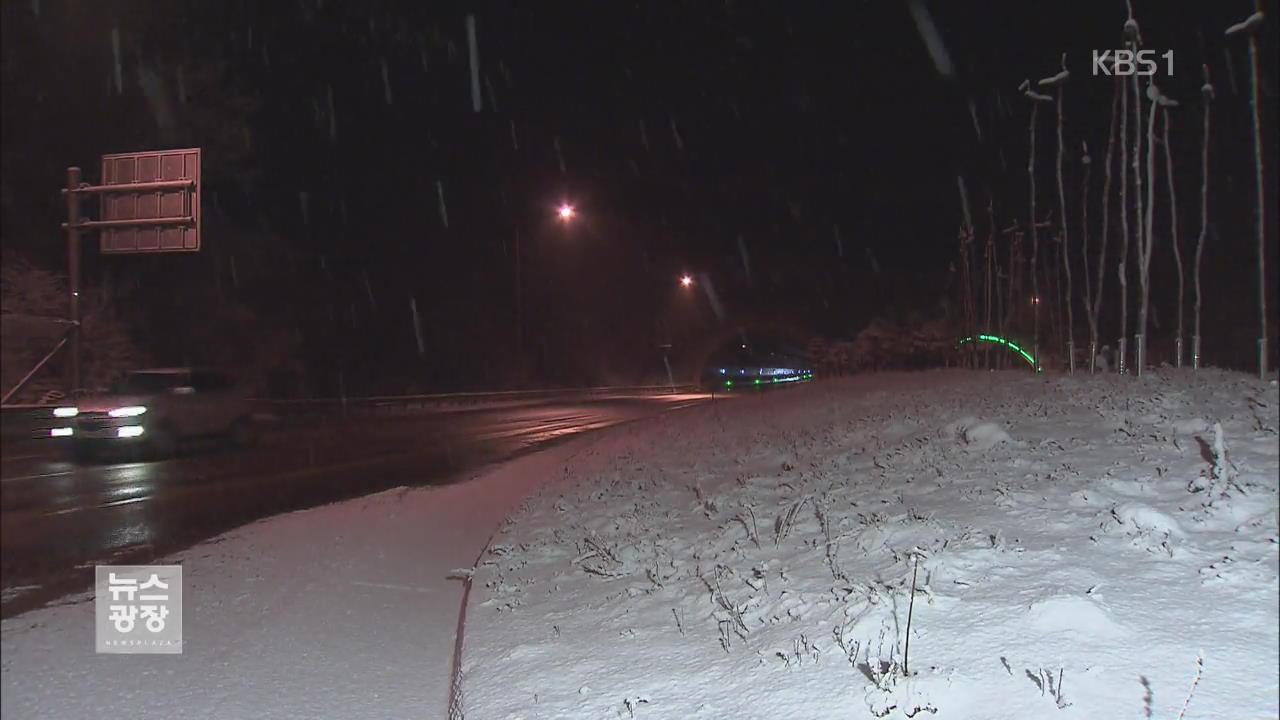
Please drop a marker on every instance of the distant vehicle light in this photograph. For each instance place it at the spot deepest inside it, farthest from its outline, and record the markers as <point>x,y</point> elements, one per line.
<point>721,371</point>
<point>61,432</point>
<point>127,411</point>
<point>777,371</point>
<point>129,431</point>
<point>66,412</point>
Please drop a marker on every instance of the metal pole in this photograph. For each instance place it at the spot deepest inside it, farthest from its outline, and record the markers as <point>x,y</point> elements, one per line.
<point>73,272</point>
<point>1195,352</point>
<point>1122,356</point>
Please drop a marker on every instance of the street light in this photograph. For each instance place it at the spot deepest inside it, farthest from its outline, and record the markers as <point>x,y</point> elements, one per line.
<point>564,213</point>
<point>685,281</point>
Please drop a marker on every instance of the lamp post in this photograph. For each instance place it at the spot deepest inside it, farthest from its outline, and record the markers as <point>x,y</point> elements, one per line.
<point>564,214</point>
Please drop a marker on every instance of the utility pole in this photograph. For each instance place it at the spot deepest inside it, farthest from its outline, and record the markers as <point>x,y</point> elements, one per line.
<point>73,272</point>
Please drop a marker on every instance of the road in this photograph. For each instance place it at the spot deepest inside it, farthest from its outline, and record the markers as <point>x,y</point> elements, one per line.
<point>57,519</point>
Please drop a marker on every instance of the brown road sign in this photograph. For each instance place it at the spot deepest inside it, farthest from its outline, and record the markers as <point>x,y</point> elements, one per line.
<point>156,207</point>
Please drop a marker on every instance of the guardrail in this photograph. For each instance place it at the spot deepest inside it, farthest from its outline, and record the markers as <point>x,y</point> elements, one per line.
<point>388,406</point>
<point>35,420</point>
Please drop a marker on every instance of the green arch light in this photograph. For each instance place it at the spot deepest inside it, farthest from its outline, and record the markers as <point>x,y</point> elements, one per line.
<point>1007,343</point>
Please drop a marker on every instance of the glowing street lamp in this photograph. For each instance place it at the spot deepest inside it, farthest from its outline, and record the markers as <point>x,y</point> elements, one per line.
<point>565,212</point>
<point>685,281</point>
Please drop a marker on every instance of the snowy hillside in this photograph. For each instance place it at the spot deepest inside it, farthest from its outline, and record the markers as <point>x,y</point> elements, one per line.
<point>1075,543</point>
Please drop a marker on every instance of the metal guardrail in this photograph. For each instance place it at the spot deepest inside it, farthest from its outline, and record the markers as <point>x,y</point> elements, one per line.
<point>399,404</point>
<point>35,420</point>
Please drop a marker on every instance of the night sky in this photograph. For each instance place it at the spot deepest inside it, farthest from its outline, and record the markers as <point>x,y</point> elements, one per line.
<point>801,157</point>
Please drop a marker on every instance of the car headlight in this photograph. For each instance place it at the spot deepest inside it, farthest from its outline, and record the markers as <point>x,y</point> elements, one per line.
<point>66,412</point>
<point>129,411</point>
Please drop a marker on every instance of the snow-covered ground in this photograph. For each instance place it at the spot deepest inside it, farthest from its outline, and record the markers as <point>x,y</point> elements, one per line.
<point>1075,544</point>
<point>344,611</point>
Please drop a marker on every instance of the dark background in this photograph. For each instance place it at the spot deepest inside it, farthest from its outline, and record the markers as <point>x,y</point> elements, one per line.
<point>816,140</point>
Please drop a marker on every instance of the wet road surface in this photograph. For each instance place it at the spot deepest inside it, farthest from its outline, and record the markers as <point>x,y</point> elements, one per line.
<point>58,519</point>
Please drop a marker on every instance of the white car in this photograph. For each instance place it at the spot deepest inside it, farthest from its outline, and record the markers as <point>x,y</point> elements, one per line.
<point>156,410</point>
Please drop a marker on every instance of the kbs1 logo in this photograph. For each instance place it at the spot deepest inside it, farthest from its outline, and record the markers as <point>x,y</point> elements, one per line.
<point>1124,63</point>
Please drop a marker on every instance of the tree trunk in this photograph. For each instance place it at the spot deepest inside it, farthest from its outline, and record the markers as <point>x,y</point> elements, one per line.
<point>1173,237</point>
<point>1087,162</point>
<point>1145,246</point>
<point>1122,265</point>
<point>1260,209</point>
<point>1096,304</point>
<point>988,263</point>
<point>1066,257</point>
<point>1035,240</point>
<point>1206,92</point>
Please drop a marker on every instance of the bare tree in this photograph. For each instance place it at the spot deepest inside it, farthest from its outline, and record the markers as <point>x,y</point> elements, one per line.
<point>1058,82</point>
<point>1036,99</point>
<point>1206,91</point>
<point>1133,40</point>
<point>1016,290</point>
<point>1147,240</point>
<point>1094,305</point>
<point>1123,263</point>
<point>1250,27</point>
<point>1086,162</point>
<point>966,235</point>
<point>989,271</point>
<point>1173,236</point>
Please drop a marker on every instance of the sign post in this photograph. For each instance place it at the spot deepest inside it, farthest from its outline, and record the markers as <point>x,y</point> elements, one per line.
<point>73,276</point>
<point>150,203</point>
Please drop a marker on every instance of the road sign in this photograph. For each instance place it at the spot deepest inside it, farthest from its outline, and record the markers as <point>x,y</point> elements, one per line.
<point>157,207</point>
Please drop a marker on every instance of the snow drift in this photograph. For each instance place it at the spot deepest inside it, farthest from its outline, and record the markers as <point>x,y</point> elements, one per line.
<point>1077,546</point>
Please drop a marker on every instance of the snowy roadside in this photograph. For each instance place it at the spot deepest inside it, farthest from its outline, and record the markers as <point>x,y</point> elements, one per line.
<point>342,611</point>
<point>1078,543</point>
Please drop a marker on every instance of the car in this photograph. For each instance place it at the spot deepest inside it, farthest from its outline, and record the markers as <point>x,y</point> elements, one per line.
<point>156,410</point>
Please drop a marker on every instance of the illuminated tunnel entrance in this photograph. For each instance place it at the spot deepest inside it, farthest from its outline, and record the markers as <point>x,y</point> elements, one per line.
<point>997,340</point>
